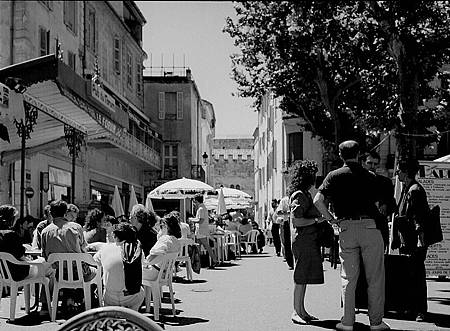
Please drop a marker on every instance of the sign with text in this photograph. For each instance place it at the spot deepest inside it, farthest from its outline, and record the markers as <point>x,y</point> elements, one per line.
<point>435,178</point>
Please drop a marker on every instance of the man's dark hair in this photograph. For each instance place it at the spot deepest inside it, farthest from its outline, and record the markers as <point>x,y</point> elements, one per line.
<point>58,208</point>
<point>348,149</point>
<point>144,215</point>
<point>93,219</point>
<point>125,232</point>
<point>372,154</point>
<point>173,226</point>
<point>199,198</point>
<point>409,166</point>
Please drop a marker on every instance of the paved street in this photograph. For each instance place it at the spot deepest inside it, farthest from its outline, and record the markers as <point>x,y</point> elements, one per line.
<point>255,294</point>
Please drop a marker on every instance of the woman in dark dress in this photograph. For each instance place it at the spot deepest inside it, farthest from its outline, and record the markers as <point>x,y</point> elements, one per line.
<point>305,246</point>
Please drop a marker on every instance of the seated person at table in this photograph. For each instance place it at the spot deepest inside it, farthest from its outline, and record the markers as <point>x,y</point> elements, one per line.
<point>93,230</point>
<point>260,239</point>
<point>144,220</point>
<point>245,226</point>
<point>108,223</point>
<point>72,213</point>
<point>41,226</point>
<point>232,224</point>
<point>10,242</point>
<point>21,226</point>
<point>122,268</point>
<point>167,243</point>
<point>63,236</point>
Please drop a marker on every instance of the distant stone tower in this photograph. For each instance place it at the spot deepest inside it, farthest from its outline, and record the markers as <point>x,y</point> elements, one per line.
<point>232,164</point>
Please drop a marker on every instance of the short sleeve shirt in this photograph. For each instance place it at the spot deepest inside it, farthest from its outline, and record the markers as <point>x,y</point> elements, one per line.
<point>352,191</point>
<point>66,238</point>
<point>203,225</point>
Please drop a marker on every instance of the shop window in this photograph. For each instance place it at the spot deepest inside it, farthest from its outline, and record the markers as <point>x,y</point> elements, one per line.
<point>71,15</point>
<point>60,183</point>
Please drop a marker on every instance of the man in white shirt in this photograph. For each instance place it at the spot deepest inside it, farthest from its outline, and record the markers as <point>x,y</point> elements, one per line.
<point>202,234</point>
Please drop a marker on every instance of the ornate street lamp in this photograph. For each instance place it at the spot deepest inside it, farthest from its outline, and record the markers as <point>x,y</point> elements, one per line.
<point>74,140</point>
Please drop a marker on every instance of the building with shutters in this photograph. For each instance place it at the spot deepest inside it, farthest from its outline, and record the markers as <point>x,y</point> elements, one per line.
<point>81,65</point>
<point>279,140</point>
<point>187,124</point>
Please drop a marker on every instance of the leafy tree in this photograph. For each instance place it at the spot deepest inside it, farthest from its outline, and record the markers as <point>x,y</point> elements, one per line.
<point>347,67</point>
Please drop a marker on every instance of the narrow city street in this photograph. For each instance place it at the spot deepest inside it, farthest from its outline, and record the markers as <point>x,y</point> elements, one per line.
<point>254,293</point>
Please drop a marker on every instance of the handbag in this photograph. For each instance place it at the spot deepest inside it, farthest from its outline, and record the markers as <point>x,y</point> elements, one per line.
<point>325,234</point>
<point>194,254</point>
<point>432,227</point>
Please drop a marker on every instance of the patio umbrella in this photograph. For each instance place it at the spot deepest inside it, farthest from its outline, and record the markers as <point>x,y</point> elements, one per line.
<point>221,206</point>
<point>234,193</point>
<point>133,199</point>
<point>117,203</point>
<point>148,204</point>
<point>180,189</point>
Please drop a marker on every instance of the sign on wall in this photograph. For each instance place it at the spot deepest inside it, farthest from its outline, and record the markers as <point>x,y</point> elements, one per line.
<point>435,178</point>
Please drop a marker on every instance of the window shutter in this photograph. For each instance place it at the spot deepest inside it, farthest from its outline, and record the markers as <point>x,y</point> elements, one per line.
<point>43,41</point>
<point>162,106</point>
<point>179,105</point>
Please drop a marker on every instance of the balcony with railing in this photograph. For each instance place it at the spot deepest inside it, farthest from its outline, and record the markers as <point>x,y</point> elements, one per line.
<point>137,148</point>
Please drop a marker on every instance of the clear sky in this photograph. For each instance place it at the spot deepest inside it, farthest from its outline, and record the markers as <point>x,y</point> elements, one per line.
<point>194,29</point>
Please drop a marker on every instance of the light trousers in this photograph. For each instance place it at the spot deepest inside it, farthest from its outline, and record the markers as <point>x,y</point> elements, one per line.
<point>361,238</point>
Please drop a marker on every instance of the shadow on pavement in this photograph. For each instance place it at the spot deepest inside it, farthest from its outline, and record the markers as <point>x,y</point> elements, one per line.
<point>166,318</point>
<point>255,255</point>
<point>31,319</point>
<point>180,280</point>
<point>440,320</point>
<point>442,301</point>
<point>331,324</point>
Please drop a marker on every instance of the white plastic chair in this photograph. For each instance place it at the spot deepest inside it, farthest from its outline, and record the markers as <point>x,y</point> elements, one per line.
<point>183,256</point>
<point>233,239</point>
<point>153,287</point>
<point>6,279</point>
<point>249,239</point>
<point>65,277</point>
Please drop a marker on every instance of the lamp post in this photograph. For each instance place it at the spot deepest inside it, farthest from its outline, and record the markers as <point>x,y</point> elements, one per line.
<point>24,128</point>
<point>74,140</point>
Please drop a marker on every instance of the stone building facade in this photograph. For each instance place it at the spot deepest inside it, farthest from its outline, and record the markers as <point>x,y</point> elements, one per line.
<point>81,65</point>
<point>233,164</point>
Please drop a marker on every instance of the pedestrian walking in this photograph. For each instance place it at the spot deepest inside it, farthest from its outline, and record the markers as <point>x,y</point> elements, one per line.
<point>354,192</point>
<point>305,246</point>
<point>283,212</point>
<point>273,218</point>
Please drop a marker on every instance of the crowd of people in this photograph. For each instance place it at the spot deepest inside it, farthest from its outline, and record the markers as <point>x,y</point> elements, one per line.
<point>358,202</point>
<point>128,250</point>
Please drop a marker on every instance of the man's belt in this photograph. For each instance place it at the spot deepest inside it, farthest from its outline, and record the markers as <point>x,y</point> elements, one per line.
<point>357,218</point>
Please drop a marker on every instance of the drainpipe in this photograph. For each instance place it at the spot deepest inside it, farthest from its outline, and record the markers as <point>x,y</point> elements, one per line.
<point>11,29</point>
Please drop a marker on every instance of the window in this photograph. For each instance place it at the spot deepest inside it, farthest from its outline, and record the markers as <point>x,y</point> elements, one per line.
<point>129,69</point>
<point>70,15</point>
<point>138,77</point>
<point>71,60</point>
<point>295,147</point>
<point>116,63</point>
<point>44,41</point>
<point>161,106</point>
<point>179,105</point>
<point>91,37</point>
<point>170,161</point>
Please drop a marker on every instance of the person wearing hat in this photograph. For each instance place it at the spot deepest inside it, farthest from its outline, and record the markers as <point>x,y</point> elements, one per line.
<point>408,231</point>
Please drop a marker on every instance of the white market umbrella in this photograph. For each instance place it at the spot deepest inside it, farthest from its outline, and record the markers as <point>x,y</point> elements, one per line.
<point>221,206</point>
<point>234,193</point>
<point>148,204</point>
<point>117,203</point>
<point>180,189</point>
<point>133,199</point>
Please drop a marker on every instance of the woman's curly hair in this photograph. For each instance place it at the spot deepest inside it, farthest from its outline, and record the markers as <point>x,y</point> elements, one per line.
<point>93,219</point>
<point>302,173</point>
